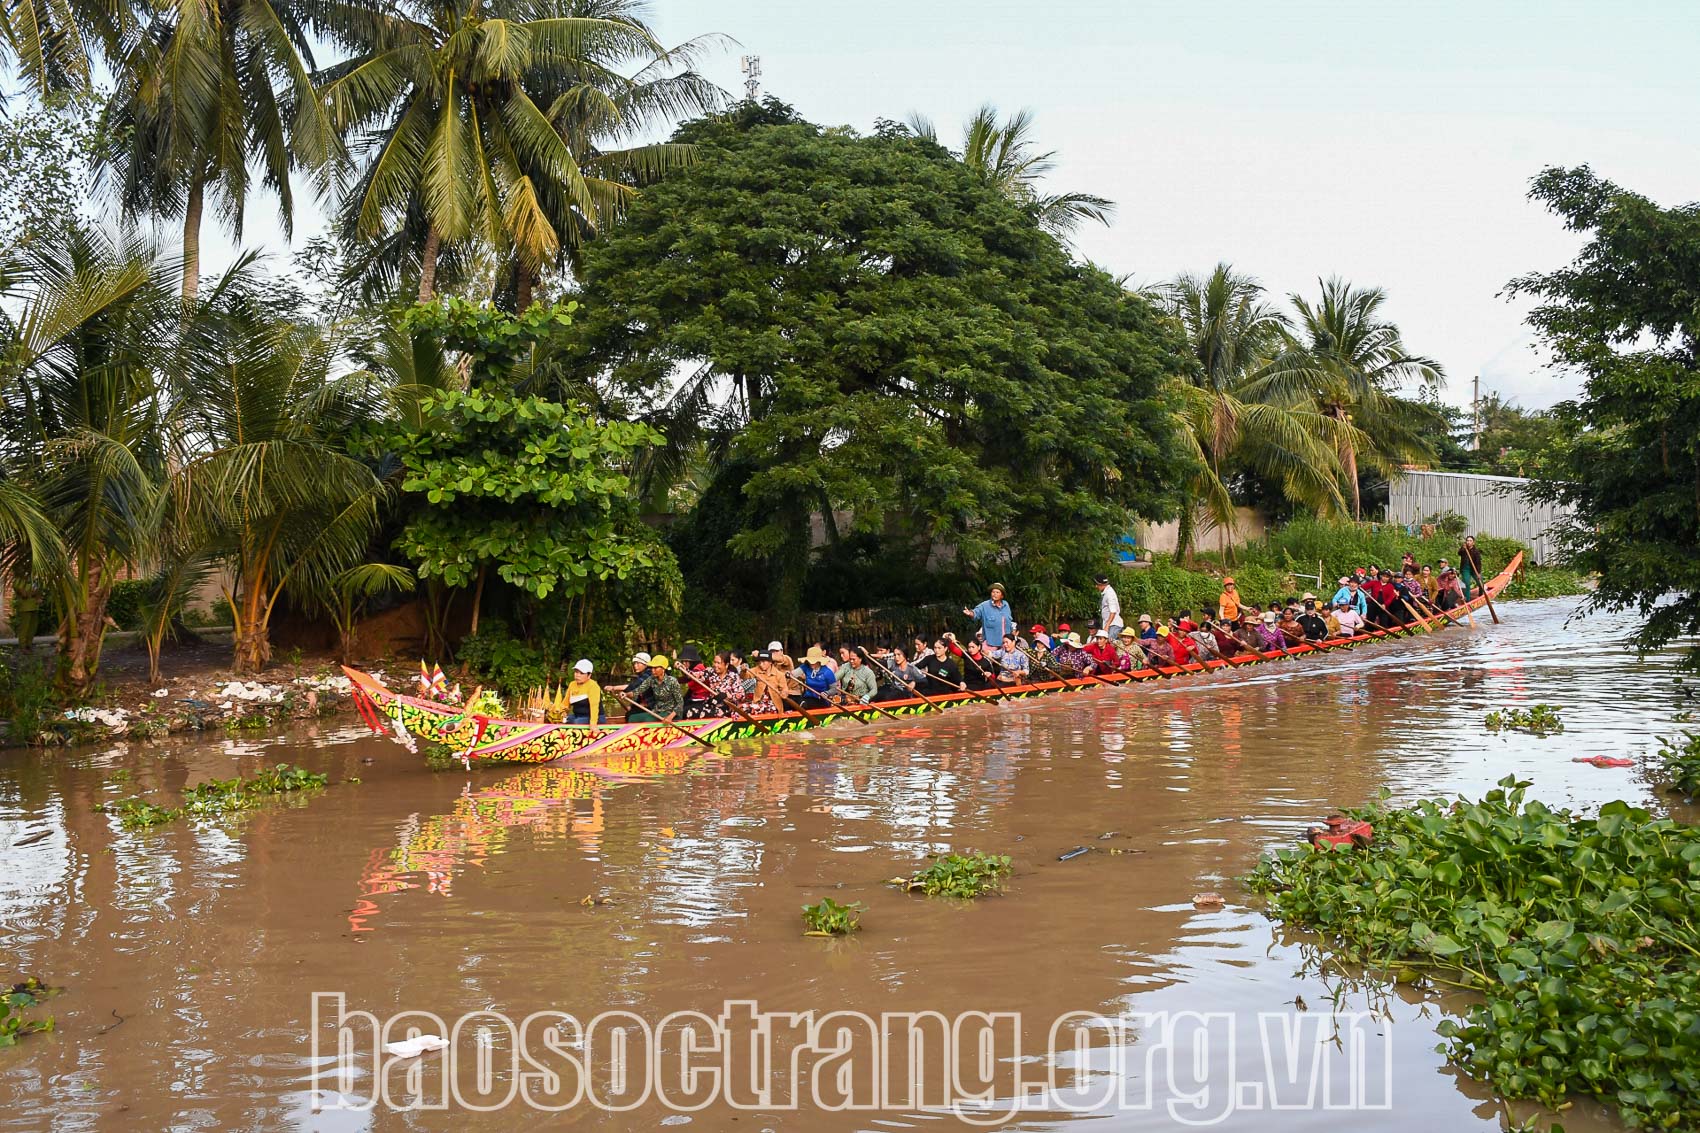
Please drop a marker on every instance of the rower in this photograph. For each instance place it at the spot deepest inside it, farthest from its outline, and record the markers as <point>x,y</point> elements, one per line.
<point>666,698</point>
<point>943,674</point>
<point>902,677</point>
<point>857,679</point>
<point>1312,624</point>
<point>1012,662</point>
<point>1146,630</point>
<point>584,695</point>
<point>820,683</point>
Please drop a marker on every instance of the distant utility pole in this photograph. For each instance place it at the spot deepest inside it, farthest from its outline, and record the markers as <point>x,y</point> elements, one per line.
<point>751,66</point>
<point>1476,417</point>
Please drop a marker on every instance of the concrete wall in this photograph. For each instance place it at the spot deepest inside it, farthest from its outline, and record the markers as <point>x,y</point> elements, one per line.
<point>1248,527</point>
<point>1494,505</point>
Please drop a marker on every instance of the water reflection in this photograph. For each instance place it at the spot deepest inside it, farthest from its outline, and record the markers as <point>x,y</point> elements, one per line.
<point>458,892</point>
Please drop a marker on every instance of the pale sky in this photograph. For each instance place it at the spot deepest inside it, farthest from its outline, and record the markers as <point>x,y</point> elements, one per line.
<point>1390,144</point>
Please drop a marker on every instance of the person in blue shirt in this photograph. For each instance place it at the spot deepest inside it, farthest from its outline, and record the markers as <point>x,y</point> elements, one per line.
<point>1350,594</point>
<point>993,616</point>
<point>819,682</point>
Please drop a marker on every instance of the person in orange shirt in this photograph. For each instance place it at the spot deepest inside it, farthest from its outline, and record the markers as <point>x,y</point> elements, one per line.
<point>1228,605</point>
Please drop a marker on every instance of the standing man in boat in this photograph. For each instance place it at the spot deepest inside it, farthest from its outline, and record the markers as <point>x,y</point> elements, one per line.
<point>1109,607</point>
<point>1228,605</point>
<point>1470,567</point>
<point>992,617</point>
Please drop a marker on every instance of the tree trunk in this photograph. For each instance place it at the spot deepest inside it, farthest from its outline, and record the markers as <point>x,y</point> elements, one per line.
<point>192,239</point>
<point>428,265</point>
<point>253,630</point>
<point>86,628</point>
<point>1184,531</point>
<point>1349,457</point>
<point>478,596</point>
<point>524,283</point>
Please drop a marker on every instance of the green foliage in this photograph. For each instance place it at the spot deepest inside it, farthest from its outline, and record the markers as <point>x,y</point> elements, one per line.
<point>125,605</point>
<point>534,488</point>
<point>1679,763</point>
<point>16,999</point>
<point>216,797</point>
<point>47,149</point>
<point>29,698</point>
<point>1576,932</point>
<point>1546,582</point>
<point>829,918</point>
<point>1537,720</point>
<point>959,875</point>
<point>872,327</point>
<point>493,656</point>
<point>1626,456</point>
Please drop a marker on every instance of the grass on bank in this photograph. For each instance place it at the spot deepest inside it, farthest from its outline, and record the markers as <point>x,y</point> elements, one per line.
<point>1577,933</point>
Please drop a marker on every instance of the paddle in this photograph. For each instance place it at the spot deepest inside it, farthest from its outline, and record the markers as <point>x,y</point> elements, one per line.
<point>1486,597</point>
<point>633,706</point>
<point>1051,669</point>
<point>875,707</point>
<point>1397,626</point>
<point>799,707</point>
<point>1141,662</point>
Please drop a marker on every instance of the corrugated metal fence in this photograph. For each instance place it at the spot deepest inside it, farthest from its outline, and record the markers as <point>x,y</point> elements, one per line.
<point>1494,505</point>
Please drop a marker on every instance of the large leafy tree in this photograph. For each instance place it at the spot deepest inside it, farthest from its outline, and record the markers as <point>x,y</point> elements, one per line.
<point>489,121</point>
<point>205,92</point>
<point>1623,317</point>
<point>865,324</point>
<point>1007,155</point>
<point>1234,332</point>
<point>1346,361</point>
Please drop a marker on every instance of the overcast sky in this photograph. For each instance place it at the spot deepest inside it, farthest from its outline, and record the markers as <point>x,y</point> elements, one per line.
<point>1390,144</point>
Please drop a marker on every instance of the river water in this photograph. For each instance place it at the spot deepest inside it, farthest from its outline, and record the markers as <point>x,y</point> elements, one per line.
<point>189,953</point>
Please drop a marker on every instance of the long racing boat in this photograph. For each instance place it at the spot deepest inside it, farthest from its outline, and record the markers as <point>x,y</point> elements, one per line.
<point>474,737</point>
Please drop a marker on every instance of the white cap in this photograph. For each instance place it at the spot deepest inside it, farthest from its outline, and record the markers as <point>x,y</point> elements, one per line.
<point>776,647</point>
<point>584,666</point>
<point>641,657</point>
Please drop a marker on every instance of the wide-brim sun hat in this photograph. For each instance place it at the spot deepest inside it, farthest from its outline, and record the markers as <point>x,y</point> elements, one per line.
<point>1308,598</point>
<point>1145,618</point>
<point>815,656</point>
<point>1074,640</point>
<point>1162,631</point>
<point>1103,633</point>
<point>1125,633</point>
<point>1269,617</point>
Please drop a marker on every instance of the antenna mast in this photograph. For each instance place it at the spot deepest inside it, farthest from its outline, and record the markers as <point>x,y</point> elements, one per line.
<point>751,66</point>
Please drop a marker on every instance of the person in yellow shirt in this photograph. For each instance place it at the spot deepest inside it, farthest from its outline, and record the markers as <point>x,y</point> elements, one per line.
<point>584,696</point>
<point>1228,605</point>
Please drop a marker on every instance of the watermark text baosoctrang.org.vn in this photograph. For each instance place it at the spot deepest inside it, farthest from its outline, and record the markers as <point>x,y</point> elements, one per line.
<point>1199,1067</point>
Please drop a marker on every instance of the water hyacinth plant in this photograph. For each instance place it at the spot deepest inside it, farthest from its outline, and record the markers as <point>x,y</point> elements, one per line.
<point>828,918</point>
<point>1537,719</point>
<point>958,875</point>
<point>1577,932</point>
<point>216,797</point>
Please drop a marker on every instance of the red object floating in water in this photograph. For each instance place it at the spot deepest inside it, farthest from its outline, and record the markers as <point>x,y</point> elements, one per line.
<point>1605,761</point>
<point>1341,831</point>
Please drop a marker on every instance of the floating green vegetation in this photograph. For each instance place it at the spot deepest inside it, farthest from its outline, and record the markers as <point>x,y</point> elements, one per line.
<point>1537,719</point>
<point>14,1002</point>
<point>1679,763</point>
<point>442,757</point>
<point>215,797</point>
<point>958,875</point>
<point>1576,931</point>
<point>829,918</point>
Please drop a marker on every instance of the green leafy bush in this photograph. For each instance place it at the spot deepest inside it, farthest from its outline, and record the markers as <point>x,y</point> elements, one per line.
<point>1577,932</point>
<point>493,656</point>
<point>829,918</point>
<point>1679,763</point>
<point>126,603</point>
<point>29,699</point>
<point>958,875</point>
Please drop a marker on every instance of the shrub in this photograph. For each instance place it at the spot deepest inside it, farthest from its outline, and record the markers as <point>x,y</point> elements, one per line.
<point>126,603</point>
<point>28,697</point>
<point>1679,763</point>
<point>493,656</point>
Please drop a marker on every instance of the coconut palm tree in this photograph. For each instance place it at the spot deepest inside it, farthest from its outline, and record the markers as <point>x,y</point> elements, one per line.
<point>208,89</point>
<point>1346,362</point>
<point>84,421</point>
<point>484,120</point>
<point>1234,332</point>
<point>267,485</point>
<point>54,45</point>
<point>1005,153</point>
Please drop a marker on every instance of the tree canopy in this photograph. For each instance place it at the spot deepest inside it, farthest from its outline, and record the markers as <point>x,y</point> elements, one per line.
<point>869,326</point>
<point>1623,316</point>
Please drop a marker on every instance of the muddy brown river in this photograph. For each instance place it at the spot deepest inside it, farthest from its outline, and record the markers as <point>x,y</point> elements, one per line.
<point>1092,988</point>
